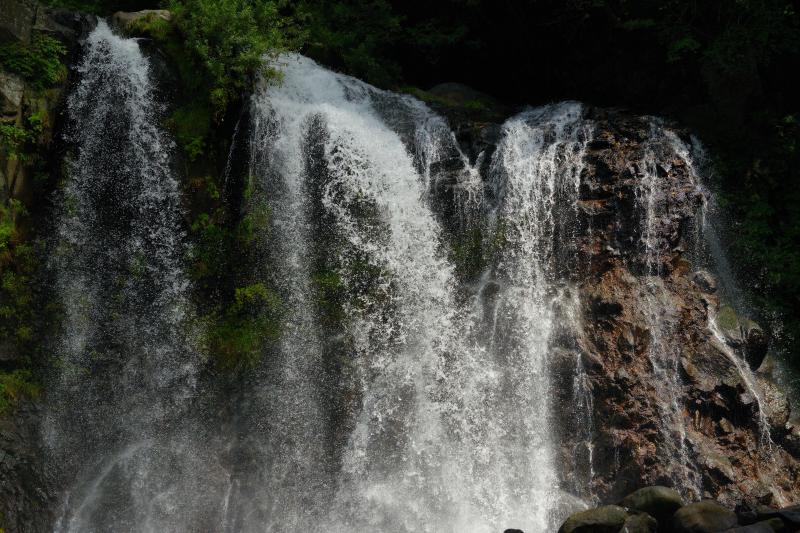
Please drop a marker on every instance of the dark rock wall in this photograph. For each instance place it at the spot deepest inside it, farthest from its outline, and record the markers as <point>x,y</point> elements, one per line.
<point>28,499</point>
<point>724,445</point>
<point>632,295</point>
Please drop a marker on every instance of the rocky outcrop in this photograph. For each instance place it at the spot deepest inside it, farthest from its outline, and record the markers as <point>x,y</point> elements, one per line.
<point>126,21</point>
<point>706,516</point>
<point>674,401</point>
<point>605,519</point>
<point>31,113</point>
<point>657,310</point>
<point>20,22</point>
<point>27,500</point>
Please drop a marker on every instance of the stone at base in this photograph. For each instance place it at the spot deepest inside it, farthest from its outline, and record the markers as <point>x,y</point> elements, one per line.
<point>605,519</point>
<point>703,517</point>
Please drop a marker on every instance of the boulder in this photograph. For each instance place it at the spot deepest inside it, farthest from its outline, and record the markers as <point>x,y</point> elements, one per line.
<point>705,281</point>
<point>749,513</point>
<point>12,88</point>
<point>660,502</point>
<point>16,20</point>
<point>640,523</point>
<point>124,19</point>
<point>703,517</point>
<point>605,519</point>
<point>759,527</point>
<point>790,517</point>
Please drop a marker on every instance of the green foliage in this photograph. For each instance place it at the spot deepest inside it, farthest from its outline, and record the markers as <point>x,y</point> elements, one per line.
<point>467,254</point>
<point>8,225</point>
<point>331,296</point>
<point>356,36</point>
<point>14,139</point>
<point>14,386</point>
<point>39,63</point>
<point>237,335</point>
<point>11,138</point>
<point>254,223</point>
<point>241,320</point>
<point>191,124</point>
<point>212,240</point>
<point>227,40</point>
<point>17,267</point>
<point>681,48</point>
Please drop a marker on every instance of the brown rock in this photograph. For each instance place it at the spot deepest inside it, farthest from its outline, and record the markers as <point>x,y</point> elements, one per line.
<point>703,517</point>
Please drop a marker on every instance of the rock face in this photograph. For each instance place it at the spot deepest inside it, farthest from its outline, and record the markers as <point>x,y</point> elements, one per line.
<point>668,366</point>
<point>19,21</point>
<point>646,306</point>
<point>124,20</point>
<point>606,519</point>
<point>705,516</point>
<point>27,501</point>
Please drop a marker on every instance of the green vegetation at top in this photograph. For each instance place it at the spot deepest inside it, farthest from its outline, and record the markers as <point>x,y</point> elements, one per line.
<point>227,40</point>
<point>39,63</point>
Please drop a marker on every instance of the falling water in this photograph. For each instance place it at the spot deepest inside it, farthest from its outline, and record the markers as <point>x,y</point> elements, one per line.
<point>659,312</point>
<point>126,366</point>
<point>436,439</point>
<point>710,251</point>
<point>396,398</point>
<point>535,177</point>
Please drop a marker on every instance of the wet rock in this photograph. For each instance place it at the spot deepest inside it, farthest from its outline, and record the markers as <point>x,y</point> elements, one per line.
<point>705,281</point>
<point>124,20</point>
<point>758,527</point>
<point>717,466</point>
<point>16,20</point>
<point>27,501</point>
<point>710,368</point>
<point>640,523</point>
<point>776,405</point>
<point>748,513</point>
<point>756,344</point>
<point>790,517</point>
<point>660,502</point>
<point>11,91</point>
<point>703,517</point>
<point>605,519</point>
<point>68,26</point>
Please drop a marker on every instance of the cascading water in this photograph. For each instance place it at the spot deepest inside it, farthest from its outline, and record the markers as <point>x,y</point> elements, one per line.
<point>710,252</point>
<point>126,362</point>
<point>535,176</point>
<point>437,439</point>
<point>661,146</point>
<point>398,398</point>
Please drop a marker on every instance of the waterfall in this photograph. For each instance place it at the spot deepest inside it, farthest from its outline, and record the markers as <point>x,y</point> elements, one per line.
<point>402,394</point>
<point>435,437</point>
<point>535,176</point>
<point>126,363</point>
<point>653,196</point>
<point>711,254</point>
